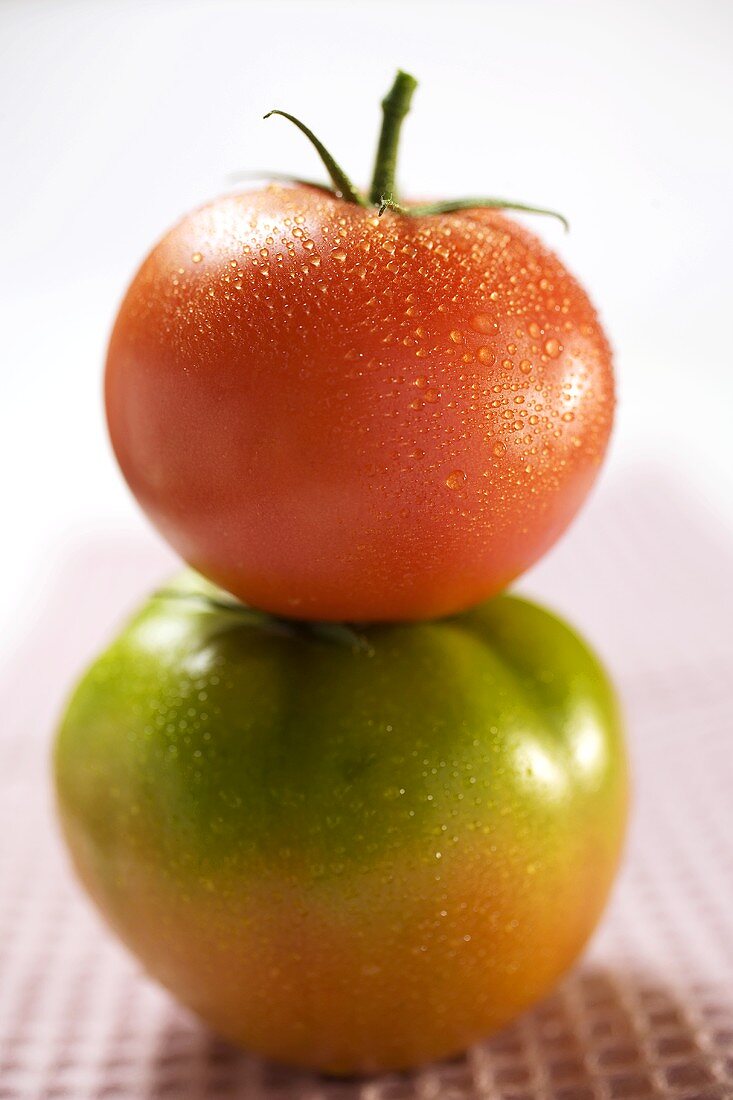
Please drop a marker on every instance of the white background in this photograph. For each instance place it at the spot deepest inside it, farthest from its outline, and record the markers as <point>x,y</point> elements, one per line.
<point>118,116</point>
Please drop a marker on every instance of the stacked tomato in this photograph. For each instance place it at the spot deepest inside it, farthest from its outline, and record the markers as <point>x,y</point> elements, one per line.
<point>339,793</point>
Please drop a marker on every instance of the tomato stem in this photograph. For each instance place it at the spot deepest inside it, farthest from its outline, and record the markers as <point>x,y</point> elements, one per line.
<point>342,183</point>
<point>280,177</point>
<point>395,105</point>
<point>451,205</point>
<point>383,191</point>
<point>346,634</point>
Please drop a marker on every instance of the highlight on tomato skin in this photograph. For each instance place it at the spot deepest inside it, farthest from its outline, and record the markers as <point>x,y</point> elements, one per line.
<point>349,850</point>
<point>343,407</point>
<point>335,415</point>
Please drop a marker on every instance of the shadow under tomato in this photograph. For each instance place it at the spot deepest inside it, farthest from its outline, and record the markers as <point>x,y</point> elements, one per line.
<point>605,1032</point>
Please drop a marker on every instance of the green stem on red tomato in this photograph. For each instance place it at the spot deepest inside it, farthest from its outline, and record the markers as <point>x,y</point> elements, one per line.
<point>383,191</point>
<point>395,105</point>
<point>342,183</point>
<point>279,177</point>
<point>452,205</point>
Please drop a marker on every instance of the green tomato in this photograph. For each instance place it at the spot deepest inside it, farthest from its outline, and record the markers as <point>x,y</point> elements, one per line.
<point>346,850</point>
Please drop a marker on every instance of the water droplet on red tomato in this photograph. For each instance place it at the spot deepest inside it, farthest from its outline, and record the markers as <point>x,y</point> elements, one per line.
<point>456,479</point>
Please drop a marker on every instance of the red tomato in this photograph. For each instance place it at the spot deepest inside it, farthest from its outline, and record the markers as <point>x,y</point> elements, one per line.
<point>336,415</point>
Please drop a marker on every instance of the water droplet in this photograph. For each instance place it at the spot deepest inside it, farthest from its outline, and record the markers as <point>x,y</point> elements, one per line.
<point>482,323</point>
<point>339,256</point>
<point>552,348</point>
<point>197,257</point>
<point>499,448</point>
<point>568,416</point>
<point>534,330</point>
<point>421,382</point>
<point>485,355</point>
<point>456,337</point>
<point>456,479</point>
<point>525,366</point>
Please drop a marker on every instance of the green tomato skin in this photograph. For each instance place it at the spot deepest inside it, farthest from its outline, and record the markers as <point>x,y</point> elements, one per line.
<point>351,851</point>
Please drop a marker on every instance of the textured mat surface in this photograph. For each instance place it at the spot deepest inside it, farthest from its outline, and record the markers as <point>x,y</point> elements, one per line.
<point>647,1013</point>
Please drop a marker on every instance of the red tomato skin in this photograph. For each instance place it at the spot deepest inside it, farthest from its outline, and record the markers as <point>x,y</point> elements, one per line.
<point>339,416</point>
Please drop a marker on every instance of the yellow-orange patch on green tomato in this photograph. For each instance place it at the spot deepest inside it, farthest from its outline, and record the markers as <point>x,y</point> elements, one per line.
<point>346,851</point>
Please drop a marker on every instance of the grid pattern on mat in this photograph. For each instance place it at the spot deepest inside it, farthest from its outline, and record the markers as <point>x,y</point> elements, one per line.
<point>647,1013</point>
